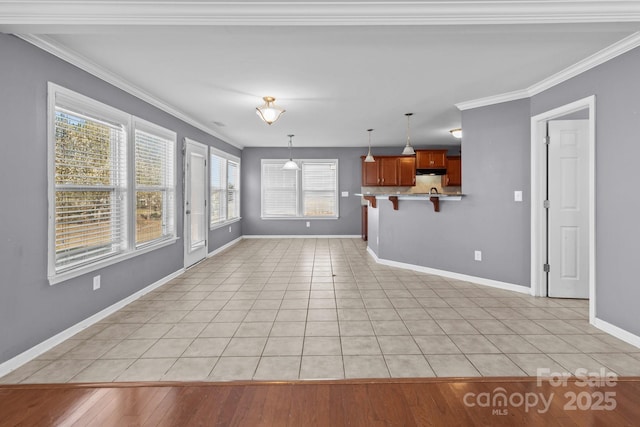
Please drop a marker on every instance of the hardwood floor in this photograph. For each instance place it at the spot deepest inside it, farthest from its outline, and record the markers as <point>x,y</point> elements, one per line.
<point>410,402</point>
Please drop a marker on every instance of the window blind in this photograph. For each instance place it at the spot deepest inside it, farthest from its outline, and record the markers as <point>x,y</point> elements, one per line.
<point>217,186</point>
<point>154,159</point>
<point>319,190</point>
<point>279,190</point>
<point>90,188</point>
<point>233,190</point>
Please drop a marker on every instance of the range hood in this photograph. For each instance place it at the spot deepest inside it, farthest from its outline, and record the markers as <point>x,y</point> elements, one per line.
<point>439,171</point>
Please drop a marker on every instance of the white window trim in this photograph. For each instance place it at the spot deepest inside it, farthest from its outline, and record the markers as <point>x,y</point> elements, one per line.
<point>153,129</point>
<point>76,272</point>
<point>299,208</point>
<point>61,96</point>
<point>235,159</point>
<point>222,224</point>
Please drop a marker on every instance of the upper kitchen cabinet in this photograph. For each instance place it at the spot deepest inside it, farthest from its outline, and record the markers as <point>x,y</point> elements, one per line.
<point>454,172</point>
<point>389,171</point>
<point>431,159</point>
<point>369,174</point>
<point>406,171</point>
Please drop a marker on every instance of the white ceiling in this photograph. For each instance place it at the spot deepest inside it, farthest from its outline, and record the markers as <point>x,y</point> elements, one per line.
<point>335,81</point>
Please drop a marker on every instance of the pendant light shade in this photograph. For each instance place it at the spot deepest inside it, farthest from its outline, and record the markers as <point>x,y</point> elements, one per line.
<point>408,149</point>
<point>269,112</point>
<point>369,158</point>
<point>290,164</point>
<point>457,133</point>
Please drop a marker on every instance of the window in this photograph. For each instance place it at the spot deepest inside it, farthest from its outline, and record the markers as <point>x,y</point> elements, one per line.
<point>319,188</point>
<point>155,213</point>
<point>311,192</point>
<point>279,190</point>
<point>224,188</point>
<point>90,188</point>
<point>93,189</point>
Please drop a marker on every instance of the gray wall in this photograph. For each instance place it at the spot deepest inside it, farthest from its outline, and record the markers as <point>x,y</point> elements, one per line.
<point>495,162</point>
<point>227,233</point>
<point>349,176</point>
<point>615,85</point>
<point>30,310</point>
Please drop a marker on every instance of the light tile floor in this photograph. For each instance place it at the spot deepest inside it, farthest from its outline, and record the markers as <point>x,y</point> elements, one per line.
<point>280,309</point>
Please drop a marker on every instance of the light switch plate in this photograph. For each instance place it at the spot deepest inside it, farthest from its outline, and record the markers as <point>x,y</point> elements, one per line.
<point>345,194</point>
<point>517,196</point>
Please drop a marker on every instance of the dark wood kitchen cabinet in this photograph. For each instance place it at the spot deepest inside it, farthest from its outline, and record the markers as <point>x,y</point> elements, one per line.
<point>406,171</point>
<point>454,172</point>
<point>365,223</point>
<point>389,171</point>
<point>369,174</point>
<point>431,159</point>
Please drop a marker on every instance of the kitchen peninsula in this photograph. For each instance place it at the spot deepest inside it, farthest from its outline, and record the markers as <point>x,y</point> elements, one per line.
<point>410,223</point>
<point>434,198</point>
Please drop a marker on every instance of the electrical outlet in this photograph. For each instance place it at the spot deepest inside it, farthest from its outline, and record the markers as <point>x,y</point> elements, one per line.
<point>308,224</point>
<point>96,283</point>
<point>477,255</point>
<point>229,229</point>
<point>345,194</point>
<point>517,196</point>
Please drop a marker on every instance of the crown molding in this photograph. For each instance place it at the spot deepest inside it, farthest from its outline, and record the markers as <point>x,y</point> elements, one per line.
<point>598,58</point>
<point>494,99</point>
<point>61,14</point>
<point>89,66</point>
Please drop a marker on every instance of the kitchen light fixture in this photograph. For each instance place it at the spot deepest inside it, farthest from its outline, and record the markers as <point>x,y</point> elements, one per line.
<point>269,112</point>
<point>290,165</point>
<point>369,158</point>
<point>457,133</point>
<point>408,149</point>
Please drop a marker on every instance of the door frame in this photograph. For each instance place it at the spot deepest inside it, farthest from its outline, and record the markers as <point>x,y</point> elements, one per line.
<point>538,186</point>
<point>186,223</point>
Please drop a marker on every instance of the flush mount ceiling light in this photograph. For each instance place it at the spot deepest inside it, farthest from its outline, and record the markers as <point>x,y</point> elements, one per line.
<point>408,149</point>
<point>457,133</point>
<point>369,158</point>
<point>290,165</point>
<point>269,112</point>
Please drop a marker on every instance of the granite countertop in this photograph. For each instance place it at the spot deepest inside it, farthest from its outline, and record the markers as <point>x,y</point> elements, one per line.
<point>410,195</point>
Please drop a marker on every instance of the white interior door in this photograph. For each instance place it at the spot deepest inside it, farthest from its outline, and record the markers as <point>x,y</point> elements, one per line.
<point>568,223</point>
<point>195,203</point>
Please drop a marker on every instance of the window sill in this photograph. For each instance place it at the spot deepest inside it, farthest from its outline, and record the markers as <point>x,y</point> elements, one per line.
<point>223,224</point>
<point>67,275</point>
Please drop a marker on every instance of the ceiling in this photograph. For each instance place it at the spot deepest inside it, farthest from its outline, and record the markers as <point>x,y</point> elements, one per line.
<point>335,77</point>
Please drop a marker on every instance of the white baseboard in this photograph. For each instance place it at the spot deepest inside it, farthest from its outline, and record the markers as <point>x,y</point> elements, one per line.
<point>451,275</point>
<point>223,247</point>
<point>48,344</point>
<point>302,236</point>
<point>617,332</point>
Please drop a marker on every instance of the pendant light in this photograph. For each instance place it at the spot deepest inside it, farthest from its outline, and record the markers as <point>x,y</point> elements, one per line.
<point>290,165</point>
<point>408,149</point>
<point>369,158</point>
<point>269,112</point>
